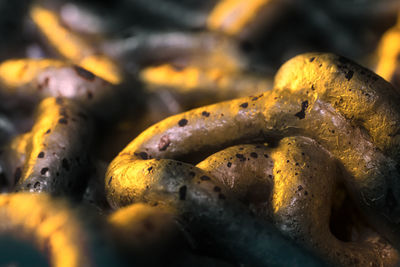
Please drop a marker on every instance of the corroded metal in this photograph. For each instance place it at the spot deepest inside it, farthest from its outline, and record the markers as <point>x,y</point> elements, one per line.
<point>347,109</point>
<point>53,156</point>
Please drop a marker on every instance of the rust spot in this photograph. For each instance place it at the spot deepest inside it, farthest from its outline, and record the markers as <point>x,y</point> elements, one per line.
<point>143,155</point>
<point>164,143</point>
<point>302,113</point>
<point>240,157</point>
<point>205,178</point>
<point>44,84</point>
<point>300,187</point>
<point>43,171</point>
<point>182,122</point>
<point>244,105</point>
<point>85,74</point>
<point>349,75</point>
<point>205,114</point>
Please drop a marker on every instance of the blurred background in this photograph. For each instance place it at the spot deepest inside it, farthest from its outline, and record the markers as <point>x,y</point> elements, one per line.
<point>173,55</point>
<point>271,32</point>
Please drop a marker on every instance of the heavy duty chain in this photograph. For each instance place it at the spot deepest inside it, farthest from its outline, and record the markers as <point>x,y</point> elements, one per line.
<point>304,172</point>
